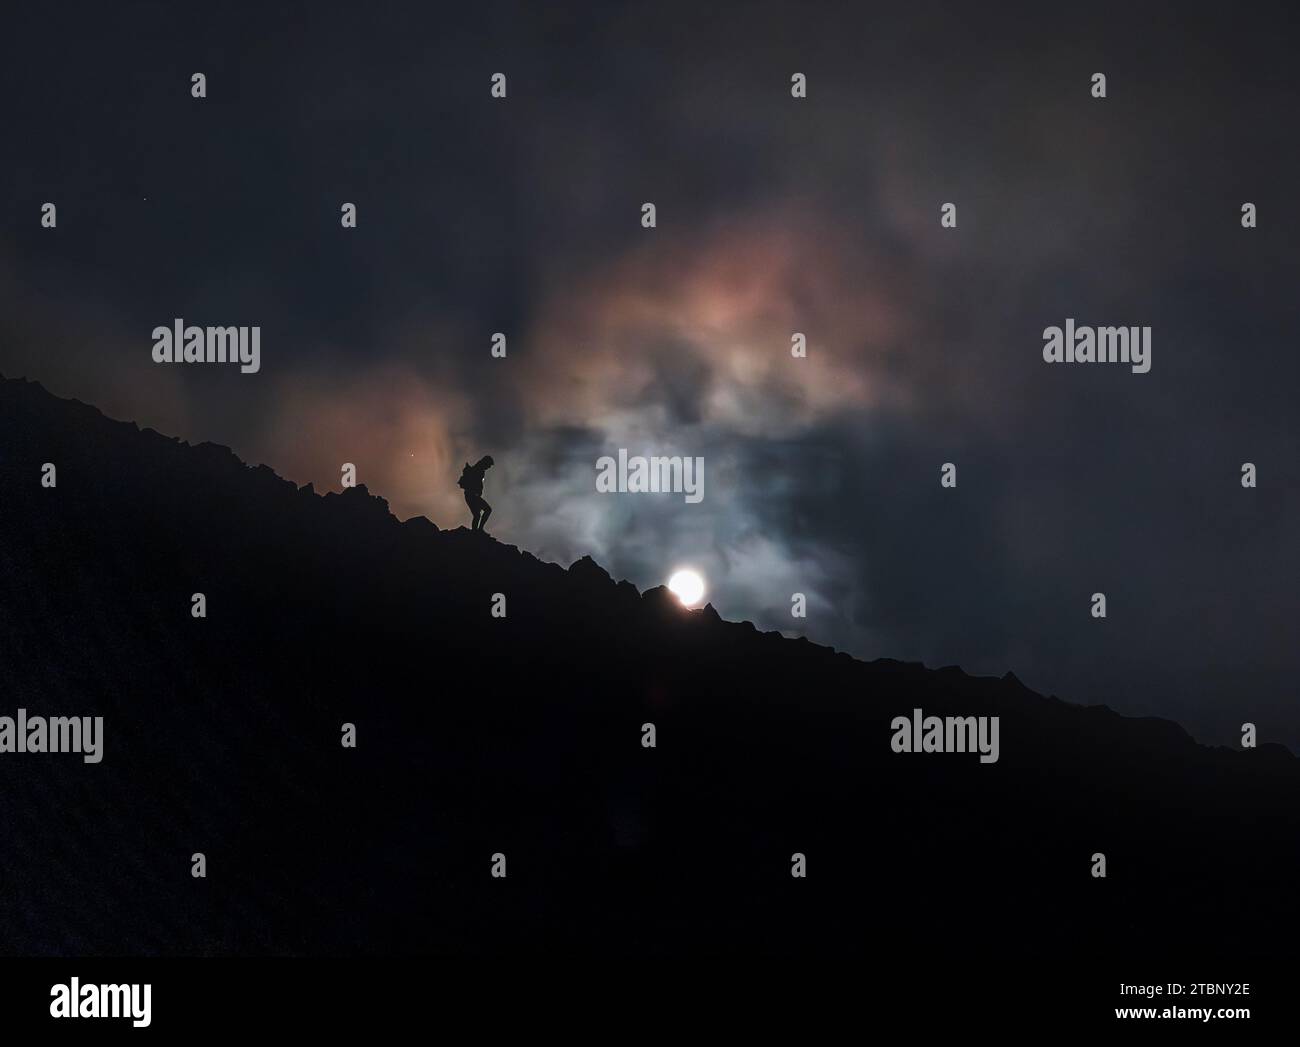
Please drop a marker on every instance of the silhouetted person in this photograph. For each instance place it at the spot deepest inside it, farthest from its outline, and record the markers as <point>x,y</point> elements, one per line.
<point>471,479</point>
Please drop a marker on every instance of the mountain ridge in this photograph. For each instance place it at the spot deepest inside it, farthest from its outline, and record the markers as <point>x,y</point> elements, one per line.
<point>585,564</point>
<point>522,735</point>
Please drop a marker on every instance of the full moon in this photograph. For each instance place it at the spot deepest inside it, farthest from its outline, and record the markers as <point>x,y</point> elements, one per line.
<point>687,586</point>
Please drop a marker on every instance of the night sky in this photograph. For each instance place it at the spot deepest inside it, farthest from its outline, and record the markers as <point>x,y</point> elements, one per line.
<point>775,215</point>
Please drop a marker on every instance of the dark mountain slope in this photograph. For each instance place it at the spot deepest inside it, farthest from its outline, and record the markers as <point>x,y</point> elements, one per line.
<point>522,735</point>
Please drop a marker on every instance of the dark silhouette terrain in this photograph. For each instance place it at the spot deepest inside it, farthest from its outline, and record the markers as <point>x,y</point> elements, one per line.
<point>523,735</point>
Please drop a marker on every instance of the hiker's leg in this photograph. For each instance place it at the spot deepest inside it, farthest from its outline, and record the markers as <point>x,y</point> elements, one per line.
<point>487,511</point>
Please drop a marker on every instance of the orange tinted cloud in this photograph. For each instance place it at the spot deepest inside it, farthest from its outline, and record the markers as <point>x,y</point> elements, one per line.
<point>719,306</point>
<point>392,423</point>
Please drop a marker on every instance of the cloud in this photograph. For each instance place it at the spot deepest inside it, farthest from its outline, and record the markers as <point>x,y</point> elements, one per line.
<point>693,328</point>
<point>397,427</point>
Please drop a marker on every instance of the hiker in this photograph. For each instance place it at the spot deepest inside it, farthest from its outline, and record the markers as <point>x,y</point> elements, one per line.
<point>471,479</point>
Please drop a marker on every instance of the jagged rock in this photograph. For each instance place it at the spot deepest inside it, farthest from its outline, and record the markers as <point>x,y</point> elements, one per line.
<point>586,570</point>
